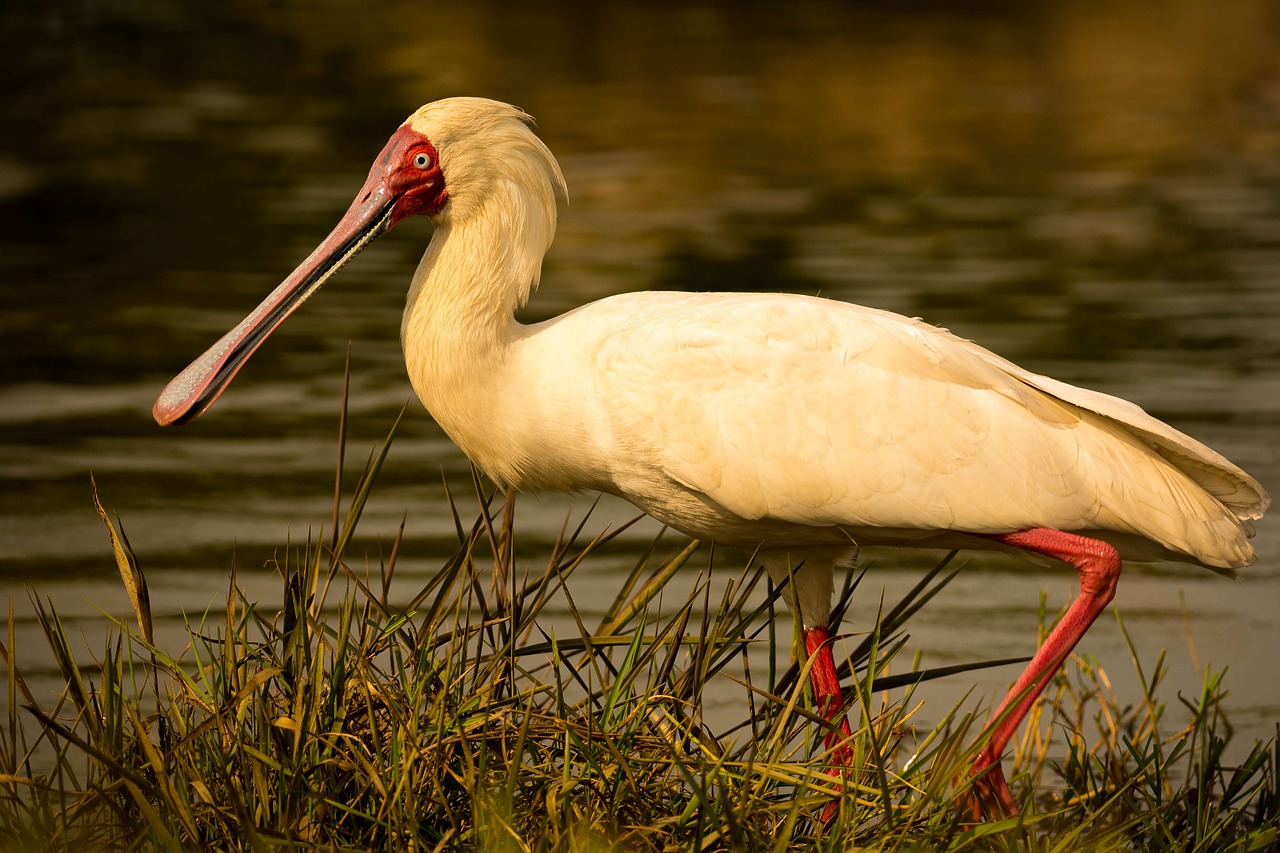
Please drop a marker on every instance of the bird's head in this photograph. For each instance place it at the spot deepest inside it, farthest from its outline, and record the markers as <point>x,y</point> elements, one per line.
<point>484,147</point>
<point>447,161</point>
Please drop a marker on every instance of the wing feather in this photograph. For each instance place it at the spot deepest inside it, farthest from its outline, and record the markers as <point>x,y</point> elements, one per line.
<point>819,413</point>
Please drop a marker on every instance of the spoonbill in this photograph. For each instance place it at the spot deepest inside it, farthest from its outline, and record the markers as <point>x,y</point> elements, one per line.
<point>797,428</point>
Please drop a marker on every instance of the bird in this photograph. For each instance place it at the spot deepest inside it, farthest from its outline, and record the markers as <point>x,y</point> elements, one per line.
<point>797,428</point>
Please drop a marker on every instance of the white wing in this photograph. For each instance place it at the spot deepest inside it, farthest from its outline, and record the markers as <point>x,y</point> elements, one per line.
<point>820,413</point>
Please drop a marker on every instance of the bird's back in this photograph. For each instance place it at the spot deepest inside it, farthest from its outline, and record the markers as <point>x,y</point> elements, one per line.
<point>741,416</point>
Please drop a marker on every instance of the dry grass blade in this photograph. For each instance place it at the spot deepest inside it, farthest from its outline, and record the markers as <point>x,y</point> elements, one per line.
<point>363,488</point>
<point>135,583</point>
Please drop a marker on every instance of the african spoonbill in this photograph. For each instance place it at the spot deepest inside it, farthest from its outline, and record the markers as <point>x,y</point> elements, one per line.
<point>795,427</point>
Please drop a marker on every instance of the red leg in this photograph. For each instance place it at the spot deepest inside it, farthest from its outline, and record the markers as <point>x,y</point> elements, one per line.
<point>1099,566</point>
<point>826,692</point>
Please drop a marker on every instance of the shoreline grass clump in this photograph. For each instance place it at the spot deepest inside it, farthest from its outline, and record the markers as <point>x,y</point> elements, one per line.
<point>344,718</point>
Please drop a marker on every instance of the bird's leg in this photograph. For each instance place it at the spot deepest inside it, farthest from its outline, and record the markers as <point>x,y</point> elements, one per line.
<point>826,693</point>
<point>1099,566</point>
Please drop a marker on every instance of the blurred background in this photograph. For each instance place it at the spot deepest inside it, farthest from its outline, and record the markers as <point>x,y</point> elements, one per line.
<point>1089,188</point>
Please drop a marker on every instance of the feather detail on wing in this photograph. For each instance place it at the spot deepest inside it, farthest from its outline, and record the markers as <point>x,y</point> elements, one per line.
<point>823,414</point>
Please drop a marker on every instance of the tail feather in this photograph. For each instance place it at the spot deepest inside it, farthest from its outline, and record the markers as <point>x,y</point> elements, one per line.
<point>1225,482</point>
<point>1172,500</point>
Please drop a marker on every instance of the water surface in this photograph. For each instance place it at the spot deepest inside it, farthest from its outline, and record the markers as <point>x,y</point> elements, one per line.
<point>1091,189</point>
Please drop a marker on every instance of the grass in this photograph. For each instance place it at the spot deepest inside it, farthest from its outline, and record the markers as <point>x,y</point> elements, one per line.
<point>335,719</point>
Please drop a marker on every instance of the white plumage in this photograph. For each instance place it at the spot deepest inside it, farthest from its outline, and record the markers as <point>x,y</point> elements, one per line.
<point>799,427</point>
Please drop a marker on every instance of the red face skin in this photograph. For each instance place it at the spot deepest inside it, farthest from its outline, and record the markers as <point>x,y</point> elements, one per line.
<point>409,167</point>
<point>405,181</point>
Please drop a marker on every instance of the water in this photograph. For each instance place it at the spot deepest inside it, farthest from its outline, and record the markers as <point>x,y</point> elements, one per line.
<point>1091,189</point>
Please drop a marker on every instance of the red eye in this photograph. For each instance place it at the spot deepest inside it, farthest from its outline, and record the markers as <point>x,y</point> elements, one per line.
<point>422,161</point>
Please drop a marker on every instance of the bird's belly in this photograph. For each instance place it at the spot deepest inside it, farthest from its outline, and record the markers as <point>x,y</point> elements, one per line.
<point>696,515</point>
<point>699,517</point>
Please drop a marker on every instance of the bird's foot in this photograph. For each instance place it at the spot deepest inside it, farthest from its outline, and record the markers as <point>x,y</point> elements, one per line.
<point>989,797</point>
<point>842,762</point>
<point>830,811</point>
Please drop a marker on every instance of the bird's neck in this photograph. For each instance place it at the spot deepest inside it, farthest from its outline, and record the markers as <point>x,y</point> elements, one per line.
<point>459,326</point>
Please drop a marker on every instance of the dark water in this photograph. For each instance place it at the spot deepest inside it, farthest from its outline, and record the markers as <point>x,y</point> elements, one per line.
<point>1090,188</point>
